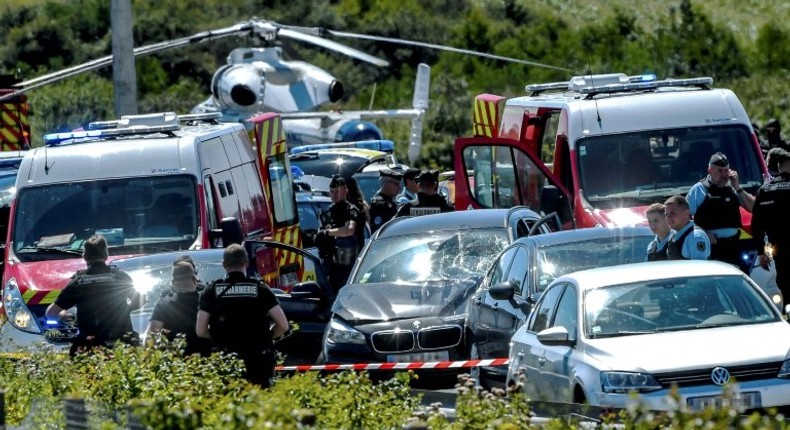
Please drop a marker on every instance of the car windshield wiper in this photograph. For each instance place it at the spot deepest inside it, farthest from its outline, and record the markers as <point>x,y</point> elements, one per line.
<point>641,193</point>
<point>52,250</point>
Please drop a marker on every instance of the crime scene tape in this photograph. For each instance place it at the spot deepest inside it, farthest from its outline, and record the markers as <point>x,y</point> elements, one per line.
<point>398,366</point>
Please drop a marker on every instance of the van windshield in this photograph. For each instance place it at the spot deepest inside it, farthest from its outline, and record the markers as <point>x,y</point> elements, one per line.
<point>650,166</point>
<point>135,215</point>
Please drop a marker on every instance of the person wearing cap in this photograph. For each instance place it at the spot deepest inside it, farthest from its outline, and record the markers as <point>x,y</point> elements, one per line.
<point>769,220</point>
<point>686,240</point>
<point>383,206</point>
<point>104,297</point>
<point>429,201</point>
<point>410,187</point>
<point>715,203</point>
<point>771,162</point>
<point>242,315</point>
<point>175,314</point>
<point>338,240</point>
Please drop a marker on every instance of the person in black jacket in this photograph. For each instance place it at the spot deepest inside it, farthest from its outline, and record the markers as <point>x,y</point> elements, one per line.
<point>104,297</point>
<point>341,236</point>
<point>176,311</point>
<point>429,201</point>
<point>241,315</point>
<point>770,219</point>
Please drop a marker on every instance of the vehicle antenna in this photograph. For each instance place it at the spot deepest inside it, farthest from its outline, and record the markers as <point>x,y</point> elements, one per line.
<point>592,82</point>
<point>372,96</point>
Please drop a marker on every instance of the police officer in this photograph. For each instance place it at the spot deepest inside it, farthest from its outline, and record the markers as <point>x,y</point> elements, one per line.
<point>176,311</point>
<point>657,221</point>
<point>104,297</point>
<point>230,314</point>
<point>429,201</point>
<point>715,203</point>
<point>383,206</point>
<point>771,207</point>
<point>686,240</point>
<point>341,236</point>
<point>410,187</point>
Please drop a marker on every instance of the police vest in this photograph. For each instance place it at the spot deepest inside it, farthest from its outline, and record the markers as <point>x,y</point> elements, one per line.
<point>656,254</point>
<point>675,246</point>
<point>773,206</point>
<point>104,311</point>
<point>720,209</point>
<point>238,322</point>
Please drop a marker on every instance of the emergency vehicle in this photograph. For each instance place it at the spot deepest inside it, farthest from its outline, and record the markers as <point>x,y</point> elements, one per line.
<point>150,184</point>
<point>599,149</point>
<point>14,118</point>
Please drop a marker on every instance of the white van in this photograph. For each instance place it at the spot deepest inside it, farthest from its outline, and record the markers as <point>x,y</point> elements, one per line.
<point>149,184</point>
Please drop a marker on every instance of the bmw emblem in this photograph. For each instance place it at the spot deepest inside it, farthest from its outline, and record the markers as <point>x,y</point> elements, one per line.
<point>720,376</point>
<point>417,324</point>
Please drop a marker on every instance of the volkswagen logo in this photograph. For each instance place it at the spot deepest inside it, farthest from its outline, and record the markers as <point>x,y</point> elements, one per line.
<point>720,376</point>
<point>417,324</point>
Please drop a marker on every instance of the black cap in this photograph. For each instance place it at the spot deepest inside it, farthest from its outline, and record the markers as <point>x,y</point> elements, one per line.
<point>337,181</point>
<point>412,174</point>
<point>427,178</point>
<point>719,159</point>
<point>773,122</point>
<point>389,173</point>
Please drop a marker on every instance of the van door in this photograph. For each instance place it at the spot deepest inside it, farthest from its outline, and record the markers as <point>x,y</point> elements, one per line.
<point>498,173</point>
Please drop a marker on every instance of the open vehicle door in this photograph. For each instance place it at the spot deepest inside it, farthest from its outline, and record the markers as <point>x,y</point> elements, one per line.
<point>498,173</point>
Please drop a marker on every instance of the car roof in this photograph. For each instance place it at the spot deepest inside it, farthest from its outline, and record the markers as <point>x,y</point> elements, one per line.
<point>584,234</point>
<point>313,196</point>
<point>647,271</point>
<point>458,220</point>
<point>349,152</point>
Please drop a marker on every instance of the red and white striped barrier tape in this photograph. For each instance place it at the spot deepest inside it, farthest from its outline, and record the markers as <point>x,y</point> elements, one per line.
<point>399,366</point>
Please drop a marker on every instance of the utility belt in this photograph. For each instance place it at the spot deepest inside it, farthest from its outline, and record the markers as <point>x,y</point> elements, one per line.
<point>346,251</point>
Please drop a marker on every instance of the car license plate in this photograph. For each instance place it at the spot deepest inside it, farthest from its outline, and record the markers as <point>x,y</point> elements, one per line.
<point>738,400</point>
<point>419,357</point>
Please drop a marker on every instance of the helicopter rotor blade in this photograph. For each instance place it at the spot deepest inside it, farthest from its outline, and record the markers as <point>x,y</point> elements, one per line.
<point>332,45</point>
<point>438,47</point>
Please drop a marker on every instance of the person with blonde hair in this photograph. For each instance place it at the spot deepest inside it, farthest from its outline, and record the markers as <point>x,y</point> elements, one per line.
<point>657,221</point>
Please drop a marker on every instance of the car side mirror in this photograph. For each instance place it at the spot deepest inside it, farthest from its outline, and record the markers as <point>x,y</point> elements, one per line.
<point>502,291</point>
<point>555,336</point>
<point>306,290</point>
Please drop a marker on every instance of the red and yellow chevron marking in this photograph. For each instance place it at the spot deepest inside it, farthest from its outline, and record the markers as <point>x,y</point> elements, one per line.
<point>269,135</point>
<point>14,125</point>
<point>33,297</point>
<point>291,236</point>
<point>487,114</point>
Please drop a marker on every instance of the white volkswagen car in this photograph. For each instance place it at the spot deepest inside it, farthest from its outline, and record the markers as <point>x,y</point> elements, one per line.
<point>596,336</point>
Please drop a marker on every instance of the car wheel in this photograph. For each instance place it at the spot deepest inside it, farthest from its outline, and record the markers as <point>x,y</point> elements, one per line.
<point>475,372</point>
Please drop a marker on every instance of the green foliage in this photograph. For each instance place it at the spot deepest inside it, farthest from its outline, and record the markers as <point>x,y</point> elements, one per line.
<point>741,44</point>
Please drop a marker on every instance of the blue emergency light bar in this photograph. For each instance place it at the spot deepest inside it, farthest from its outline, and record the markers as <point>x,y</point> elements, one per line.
<point>377,145</point>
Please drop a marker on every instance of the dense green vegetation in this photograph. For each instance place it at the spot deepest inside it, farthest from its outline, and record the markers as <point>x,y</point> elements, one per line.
<point>744,46</point>
<point>163,390</point>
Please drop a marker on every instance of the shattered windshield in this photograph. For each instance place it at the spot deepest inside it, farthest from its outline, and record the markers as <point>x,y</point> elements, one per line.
<point>135,215</point>
<point>649,166</point>
<point>437,255</point>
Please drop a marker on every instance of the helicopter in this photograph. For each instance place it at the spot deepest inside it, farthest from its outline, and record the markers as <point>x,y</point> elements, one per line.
<point>258,79</point>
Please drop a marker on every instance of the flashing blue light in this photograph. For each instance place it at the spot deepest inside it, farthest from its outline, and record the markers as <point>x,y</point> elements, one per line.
<point>52,322</point>
<point>649,77</point>
<point>55,139</point>
<point>297,172</point>
<point>377,145</point>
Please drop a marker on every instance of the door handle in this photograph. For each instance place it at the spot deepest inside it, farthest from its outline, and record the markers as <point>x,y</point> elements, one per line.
<point>541,361</point>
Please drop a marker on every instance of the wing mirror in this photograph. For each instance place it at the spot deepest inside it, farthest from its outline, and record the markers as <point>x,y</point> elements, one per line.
<point>502,291</point>
<point>306,290</point>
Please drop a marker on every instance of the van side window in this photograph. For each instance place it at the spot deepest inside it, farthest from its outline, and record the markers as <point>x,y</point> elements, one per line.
<point>223,192</point>
<point>229,186</point>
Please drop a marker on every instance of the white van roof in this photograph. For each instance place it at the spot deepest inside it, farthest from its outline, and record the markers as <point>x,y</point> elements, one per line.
<point>121,156</point>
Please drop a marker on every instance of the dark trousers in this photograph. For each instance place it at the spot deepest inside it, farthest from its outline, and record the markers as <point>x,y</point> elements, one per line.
<point>728,251</point>
<point>258,365</point>
<point>781,254</point>
<point>338,276</point>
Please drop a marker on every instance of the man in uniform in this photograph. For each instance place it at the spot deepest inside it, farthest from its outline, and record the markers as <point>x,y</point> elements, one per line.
<point>686,241</point>
<point>429,201</point>
<point>339,240</point>
<point>773,135</point>
<point>230,314</point>
<point>771,207</point>
<point>383,206</point>
<point>104,297</point>
<point>715,203</point>
<point>410,187</point>
<point>176,311</point>
<point>657,221</point>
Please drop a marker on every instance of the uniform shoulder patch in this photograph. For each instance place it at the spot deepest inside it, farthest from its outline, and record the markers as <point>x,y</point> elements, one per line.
<point>701,246</point>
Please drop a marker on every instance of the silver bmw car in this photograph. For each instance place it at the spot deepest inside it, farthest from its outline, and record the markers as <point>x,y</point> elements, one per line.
<point>598,336</point>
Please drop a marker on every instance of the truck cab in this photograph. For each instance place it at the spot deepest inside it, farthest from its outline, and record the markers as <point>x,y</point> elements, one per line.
<point>599,149</point>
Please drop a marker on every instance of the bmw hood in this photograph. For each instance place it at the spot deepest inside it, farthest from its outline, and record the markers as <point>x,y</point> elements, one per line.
<point>693,349</point>
<point>394,301</point>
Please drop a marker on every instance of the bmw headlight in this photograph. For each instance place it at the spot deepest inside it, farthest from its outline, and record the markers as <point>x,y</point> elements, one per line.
<point>624,382</point>
<point>16,310</point>
<point>784,371</point>
<point>339,332</point>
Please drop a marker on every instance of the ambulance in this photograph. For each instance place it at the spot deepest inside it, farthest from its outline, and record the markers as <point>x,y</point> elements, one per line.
<point>599,149</point>
<point>149,184</point>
